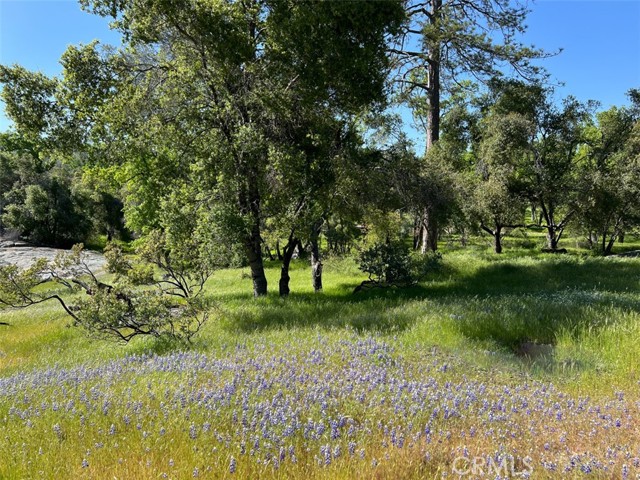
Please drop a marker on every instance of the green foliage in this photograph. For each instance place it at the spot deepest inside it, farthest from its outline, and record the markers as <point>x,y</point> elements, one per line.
<point>388,263</point>
<point>498,197</point>
<point>452,41</point>
<point>392,264</point>
<point>28,100</point>
<point>174,309</point>
<point>424,265</point>
<point>107,208</point>
<point>244,102</point>
<point>529,146</point>
<point>50,211</point>
<point>608,198</point>
<point>48,201</point>
<point>15,283</point>
<point>141,274</point>
<point>341,235</point>
<point>122,314</point>
<point>127,270</point>
<point>116,262</point>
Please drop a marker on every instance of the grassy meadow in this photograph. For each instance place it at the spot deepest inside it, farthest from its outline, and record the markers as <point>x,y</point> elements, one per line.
<point>522,365</point>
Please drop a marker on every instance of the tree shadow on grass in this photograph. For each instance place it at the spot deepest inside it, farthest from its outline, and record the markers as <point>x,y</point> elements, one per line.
<point>507,301</point>
<point>381,312</point>
<point>513,303</point>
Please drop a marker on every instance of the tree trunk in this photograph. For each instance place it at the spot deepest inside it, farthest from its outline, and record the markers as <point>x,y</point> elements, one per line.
<point>552,238</point>
<point>250,204</point>
<point>609,247</point>
<point>288,250</point>
<point>553,231</point>
<point>429,232</point>
<point>278,252</point>
<point>497,239</point>
<point>417,232</point>
<point>254,253</point>
<point>316,263</point>
<point>496,234</point>
<point>429,225</point>
<point>302,253</point>
<point>616,234</point>
<point>433,81</point>
<point>316,267</point>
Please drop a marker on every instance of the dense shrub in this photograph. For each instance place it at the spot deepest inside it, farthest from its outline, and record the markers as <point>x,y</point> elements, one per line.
<point>387,263</point>
<point>391,263</point>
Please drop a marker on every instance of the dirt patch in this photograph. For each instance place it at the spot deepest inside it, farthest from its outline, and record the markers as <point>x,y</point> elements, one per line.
<point>534,351</point>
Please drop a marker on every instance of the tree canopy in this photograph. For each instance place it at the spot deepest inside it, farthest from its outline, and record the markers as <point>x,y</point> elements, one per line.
<point>252,127</point>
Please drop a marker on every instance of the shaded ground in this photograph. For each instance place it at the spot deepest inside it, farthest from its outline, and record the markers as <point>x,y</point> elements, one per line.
<point>634,253</point>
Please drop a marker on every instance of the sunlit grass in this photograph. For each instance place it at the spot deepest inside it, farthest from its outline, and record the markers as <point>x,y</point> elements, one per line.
<point>478,314</point>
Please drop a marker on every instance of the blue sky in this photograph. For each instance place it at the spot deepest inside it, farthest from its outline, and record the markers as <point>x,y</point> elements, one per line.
<point>601,42</point>
<point>600,38</point>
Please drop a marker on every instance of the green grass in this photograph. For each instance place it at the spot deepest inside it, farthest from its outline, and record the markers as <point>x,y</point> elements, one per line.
<point>477,303</point>
<point>476,312</point>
